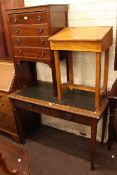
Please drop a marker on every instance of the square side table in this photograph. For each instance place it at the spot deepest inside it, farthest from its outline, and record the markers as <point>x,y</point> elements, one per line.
<point>91,39</point>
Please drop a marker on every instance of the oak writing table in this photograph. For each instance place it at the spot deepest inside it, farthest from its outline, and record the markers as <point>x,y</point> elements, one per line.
<point>90,39</point>
<point>75,107</point>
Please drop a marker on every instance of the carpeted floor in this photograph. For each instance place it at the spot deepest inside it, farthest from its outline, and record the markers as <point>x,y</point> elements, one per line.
<point>54,152</point>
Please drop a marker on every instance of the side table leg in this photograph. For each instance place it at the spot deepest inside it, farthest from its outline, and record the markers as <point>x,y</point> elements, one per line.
<point>58,74</point>
<point>69,62</point>
<point>98,77</point>
<point>93,142</point>
<point>105,115</point>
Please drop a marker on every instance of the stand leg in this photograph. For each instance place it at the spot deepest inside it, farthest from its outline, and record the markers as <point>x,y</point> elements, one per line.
<point>106,65</point>
<point>58,74</point>
<point>98,77</point>
<point>105,115</point>
<point>69,63</point>
<point>93,142</point>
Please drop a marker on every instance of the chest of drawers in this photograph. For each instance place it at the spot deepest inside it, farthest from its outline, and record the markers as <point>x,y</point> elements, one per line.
<point>30,29</point>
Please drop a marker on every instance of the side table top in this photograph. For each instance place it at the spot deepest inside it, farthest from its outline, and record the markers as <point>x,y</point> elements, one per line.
<point>81,33</point>
<point>95,38</point>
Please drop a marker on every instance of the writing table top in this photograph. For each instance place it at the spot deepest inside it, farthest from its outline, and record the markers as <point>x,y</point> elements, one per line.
<point>77,102</point>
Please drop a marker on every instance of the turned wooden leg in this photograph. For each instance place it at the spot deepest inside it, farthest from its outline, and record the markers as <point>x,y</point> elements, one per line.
<point>105,115</point>
<point>93,142</point>
<point>5,168</point>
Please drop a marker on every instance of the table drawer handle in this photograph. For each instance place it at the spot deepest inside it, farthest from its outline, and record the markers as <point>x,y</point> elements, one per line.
<point>39,18</point>
<point>15,20</point>
<point>18,42</point>
<point>20,52</point>
<point>42,42</point>
<point>29,105</point>
<point>40,30</point>
<point>17,31</point>
<point>68,116</point>
<point>42,54</point>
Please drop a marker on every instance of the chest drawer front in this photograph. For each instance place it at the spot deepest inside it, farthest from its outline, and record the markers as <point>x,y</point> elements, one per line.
<point>29,53</point>
<point>29,30</point>
<point>28,18</point>
<point>30,41</point>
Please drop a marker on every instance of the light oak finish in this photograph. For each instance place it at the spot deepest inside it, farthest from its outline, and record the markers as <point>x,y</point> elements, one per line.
<point>92,39</point>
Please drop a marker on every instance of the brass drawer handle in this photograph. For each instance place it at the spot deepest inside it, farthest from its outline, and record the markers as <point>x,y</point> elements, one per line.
<point>42,54</point>
<point>68,116</point>
<point>42,42</point>
<point>40,30</point>
<point>29,105</point>
<point>39,18</point>
<point>17,31</point>
<point>18,42</point>
<point>20,52</point>
<point>15,20</point>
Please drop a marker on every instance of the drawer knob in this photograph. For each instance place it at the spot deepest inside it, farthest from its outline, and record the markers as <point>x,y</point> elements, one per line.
<point>15,20</point>
<point>39,18</point>
<point>40,30</point>
<point>18,42</point>
<point>42,54</point>
<point>67,116</point>
<point>17,31</point>
<point>20,52</point>
<point>42,42</point>
<point>29,105</point>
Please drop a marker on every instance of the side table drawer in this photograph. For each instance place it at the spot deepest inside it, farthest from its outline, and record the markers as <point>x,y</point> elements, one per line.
<point>28,18</point>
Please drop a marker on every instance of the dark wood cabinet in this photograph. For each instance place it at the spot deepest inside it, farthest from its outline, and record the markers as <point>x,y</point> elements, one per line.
<point>29,30</point>
<point>4,37</point>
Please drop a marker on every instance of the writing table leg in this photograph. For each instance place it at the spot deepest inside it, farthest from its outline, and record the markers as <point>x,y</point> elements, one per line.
<point>105,115</point>
<point>93,142</point>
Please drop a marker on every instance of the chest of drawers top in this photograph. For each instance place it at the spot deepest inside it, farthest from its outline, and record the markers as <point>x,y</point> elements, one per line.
<point>30,28</point>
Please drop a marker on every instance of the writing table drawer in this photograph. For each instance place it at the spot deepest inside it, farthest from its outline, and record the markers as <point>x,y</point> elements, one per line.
<point>28,18</point>
<point>53,112</point>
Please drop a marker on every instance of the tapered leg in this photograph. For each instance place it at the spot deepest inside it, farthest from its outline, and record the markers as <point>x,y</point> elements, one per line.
<point>93,142</point>
<point>106,65</point>
<point>69,63</point>
<point>105,115</point>
<point>98,77</point>
<point>58,74</point>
